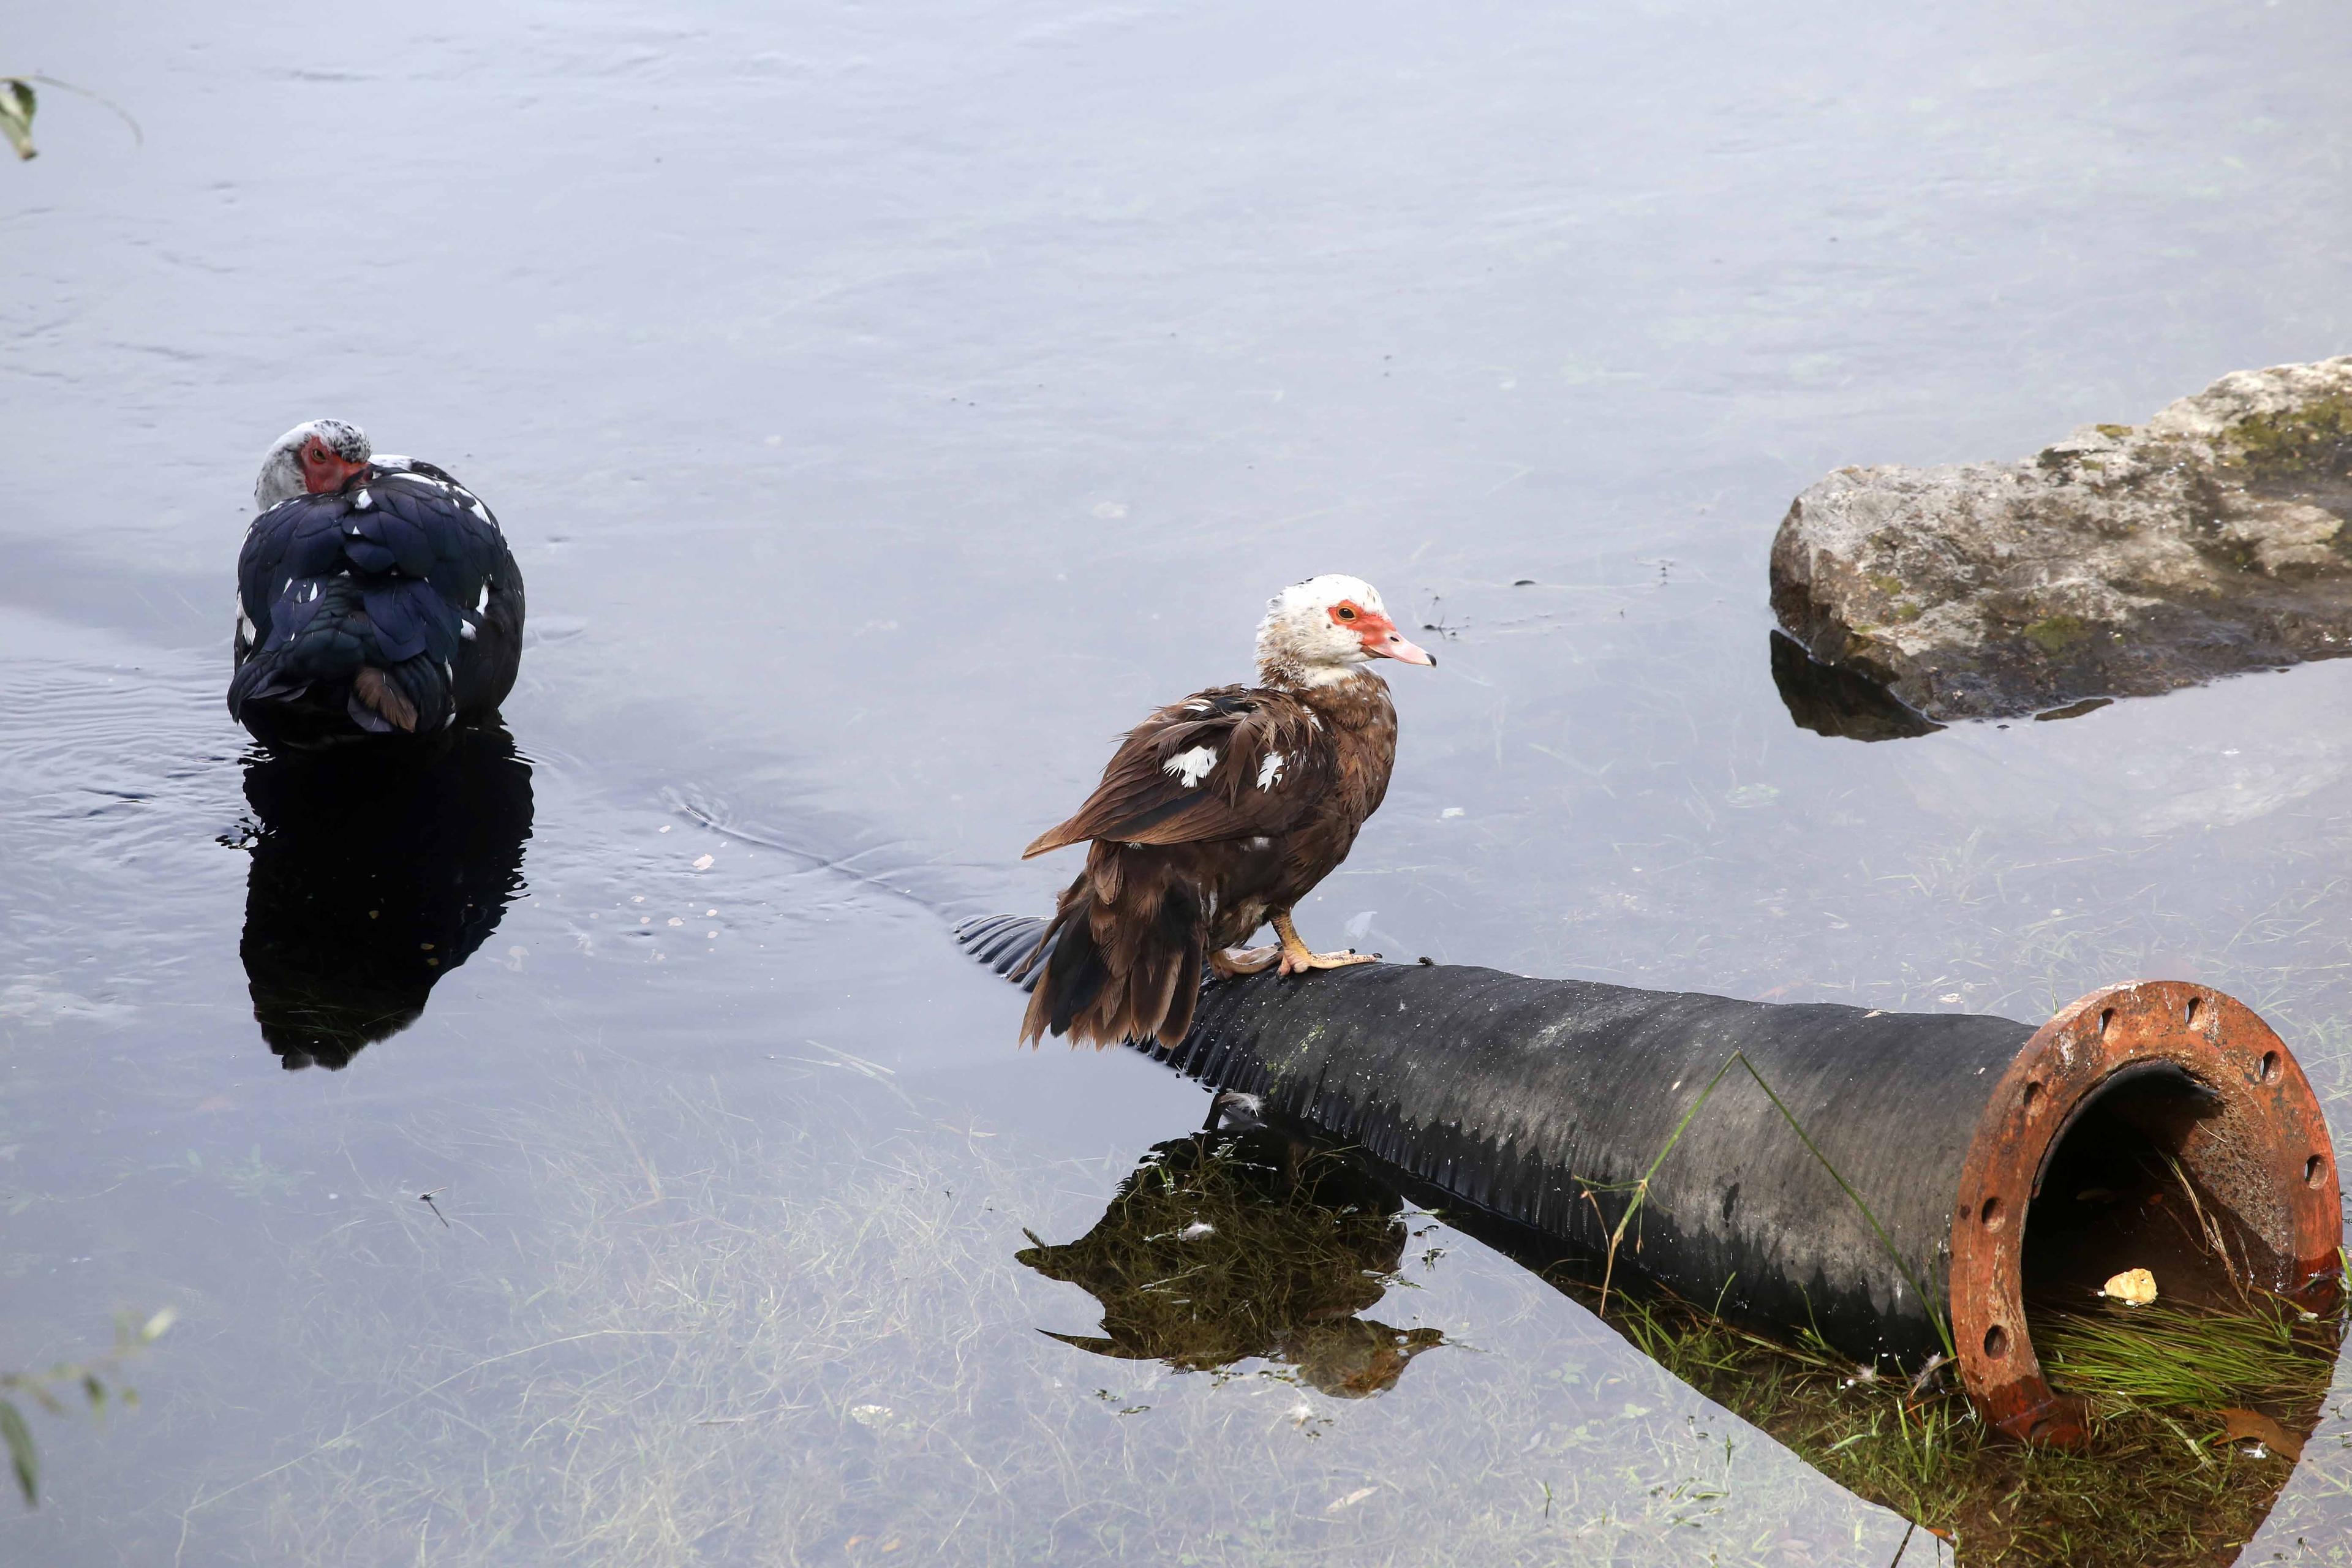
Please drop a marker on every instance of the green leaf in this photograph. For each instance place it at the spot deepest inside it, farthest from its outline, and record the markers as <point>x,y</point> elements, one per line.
<point>95,1392</point>
<point>17,102</point>
<point>21,1458</point>
<point>155,1325</point>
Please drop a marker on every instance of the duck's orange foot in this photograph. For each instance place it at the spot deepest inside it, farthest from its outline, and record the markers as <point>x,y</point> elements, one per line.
<point>1301,960</point>
<point>1298,957</point>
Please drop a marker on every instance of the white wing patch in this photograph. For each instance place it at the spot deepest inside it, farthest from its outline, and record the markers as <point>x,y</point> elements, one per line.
<point>1269,771</point>
<point>1189,768</point>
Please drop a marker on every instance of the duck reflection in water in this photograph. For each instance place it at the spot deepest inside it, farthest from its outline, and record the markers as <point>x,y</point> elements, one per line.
<point>1225,1245</point>
<point>372,877</point>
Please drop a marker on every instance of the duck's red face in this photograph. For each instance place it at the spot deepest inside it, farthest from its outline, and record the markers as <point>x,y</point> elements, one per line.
<point>323,472</point>
<point>1377,632</point>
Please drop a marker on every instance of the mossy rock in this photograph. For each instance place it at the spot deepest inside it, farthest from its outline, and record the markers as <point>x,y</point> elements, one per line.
<point>2315,437</point>
<point>2054,635</point>
<point>2121,561</point>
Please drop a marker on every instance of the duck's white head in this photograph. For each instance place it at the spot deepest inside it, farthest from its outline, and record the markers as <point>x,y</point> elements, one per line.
<point>1324,630</point>
<point>315,457</point>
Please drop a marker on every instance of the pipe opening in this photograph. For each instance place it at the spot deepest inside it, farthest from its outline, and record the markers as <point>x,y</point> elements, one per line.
<point>2135,1181</point>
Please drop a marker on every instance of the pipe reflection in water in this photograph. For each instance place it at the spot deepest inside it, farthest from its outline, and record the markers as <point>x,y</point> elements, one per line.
<point>370,879</point>
<point>1223,1246</point>
<point>1219,1248</point>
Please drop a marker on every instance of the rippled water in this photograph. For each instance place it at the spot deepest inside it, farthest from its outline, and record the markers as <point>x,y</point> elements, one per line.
<point>888,405</point>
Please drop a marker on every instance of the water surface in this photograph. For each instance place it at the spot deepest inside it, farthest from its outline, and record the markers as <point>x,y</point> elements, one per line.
<point>888,405</point>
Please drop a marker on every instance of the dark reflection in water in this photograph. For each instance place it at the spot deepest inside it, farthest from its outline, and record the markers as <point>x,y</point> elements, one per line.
<point>1833,702</point>
<point>1223,1246</point>
<point>372,879</point>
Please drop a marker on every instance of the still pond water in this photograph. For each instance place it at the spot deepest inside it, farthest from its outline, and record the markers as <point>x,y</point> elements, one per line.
<point>888,404</point>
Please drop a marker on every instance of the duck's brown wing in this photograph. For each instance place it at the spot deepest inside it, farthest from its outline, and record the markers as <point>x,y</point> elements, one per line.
<point>1231,762</point>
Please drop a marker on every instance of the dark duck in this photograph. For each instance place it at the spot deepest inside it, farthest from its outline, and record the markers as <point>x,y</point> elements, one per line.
<point>375,597</point>
<point>1216,816</point>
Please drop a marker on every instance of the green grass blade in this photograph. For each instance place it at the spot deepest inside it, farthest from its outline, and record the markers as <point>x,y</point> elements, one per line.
<point>22,1457</point>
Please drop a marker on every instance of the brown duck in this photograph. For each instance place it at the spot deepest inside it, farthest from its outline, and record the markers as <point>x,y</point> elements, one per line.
<point>1215,818</point>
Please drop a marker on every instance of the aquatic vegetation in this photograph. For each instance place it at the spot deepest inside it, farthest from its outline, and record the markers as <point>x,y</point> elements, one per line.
<point>2167,1357</point>
<point>2163,1482</point>
<point>728,1338</point>
<point>17,104</point>
<point>84,1380</point>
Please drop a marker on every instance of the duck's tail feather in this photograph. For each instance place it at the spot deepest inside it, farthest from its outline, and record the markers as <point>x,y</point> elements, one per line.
<point>1119,961</point>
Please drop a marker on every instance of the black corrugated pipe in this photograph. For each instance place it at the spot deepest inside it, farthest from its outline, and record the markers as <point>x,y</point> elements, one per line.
<point>1876,1176</point>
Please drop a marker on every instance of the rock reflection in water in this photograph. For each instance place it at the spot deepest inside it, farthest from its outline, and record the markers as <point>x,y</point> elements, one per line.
<point>1223,1246</point>
<point>1830,700</point>
<point>369,882</point>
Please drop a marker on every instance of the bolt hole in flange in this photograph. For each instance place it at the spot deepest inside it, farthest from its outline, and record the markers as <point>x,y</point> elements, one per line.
<point>2106,1017</point>
<point>2314,1170</point>
<point>1991,1215</point>
<point>2196,1005</point>
<point>2270,1066</point>
<point>1996,1343</point>
<point>2032,1097</point>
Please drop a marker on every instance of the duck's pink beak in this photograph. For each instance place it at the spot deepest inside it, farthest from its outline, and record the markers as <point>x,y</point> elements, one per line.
<point>1381,640</point>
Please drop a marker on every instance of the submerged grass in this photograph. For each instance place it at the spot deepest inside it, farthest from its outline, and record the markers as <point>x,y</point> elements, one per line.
<point>2162,1483</point>
<point>2179,1358</point>
<point>665,1334</point>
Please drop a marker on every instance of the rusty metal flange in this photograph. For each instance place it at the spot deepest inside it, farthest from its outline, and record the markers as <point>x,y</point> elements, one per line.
<point>2264,1154</point>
